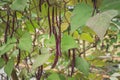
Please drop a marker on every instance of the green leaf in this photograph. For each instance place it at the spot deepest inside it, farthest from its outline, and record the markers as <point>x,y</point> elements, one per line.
<point>118,54</point>
<point>31,28</point>
<point>80,15</point>
<point>5,48</point>
<point>53,76</point>
<point>82,65</point>
<point>19,5</point>
<point>15,53</point>
<point>92,76</point>
<point>2,63</point>
<point>86,37</point>
<point>40,60</point>
<point>25,42</point>
<point>9,67</point>
<point>44,10</point>
<point>50,42</point>
<point>86,29</point>
<point>68,42</point>
<point>71,78</point>
<point>110,4</point>
<point>98,63</point>
<point>8,46</point>
<point>100,22</point>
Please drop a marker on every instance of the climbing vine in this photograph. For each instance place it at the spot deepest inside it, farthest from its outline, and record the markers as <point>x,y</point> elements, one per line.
<point>59,39</point>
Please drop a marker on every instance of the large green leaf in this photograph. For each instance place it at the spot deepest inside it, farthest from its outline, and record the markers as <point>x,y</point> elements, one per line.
<point>19,5</point>
<point>25,42</point>
<point>110,4</point>
<point>9,67</point>
<point>31,26</point>
<point>56,76</point>
<point>71,78</point>
<point>7,46</point>
<point>40,60</point>
<point>53,76</point>
<point>68,42</point>
<point>2,62</point>
<point>100,22</point>
<point>80,15</point>
<point>82,65</point>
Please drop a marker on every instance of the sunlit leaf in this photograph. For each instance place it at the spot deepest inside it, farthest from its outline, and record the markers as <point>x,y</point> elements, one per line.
<point>44,10</point>
<point>115,76</point>
<point>98,63</point>
<point>9,67</point>
<point>92,76</point>
<point>25,42</point>
<point>82,65</point>
<point>71,2</point>
<point>76,35</point>
<point>68,15</point>
<point>86,37</point>
<point>86,29</point>
<point>100,22</point>
<point>64,26</point>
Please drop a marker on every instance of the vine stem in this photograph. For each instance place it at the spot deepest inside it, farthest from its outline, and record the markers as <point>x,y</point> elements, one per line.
<point>56,34</point>
<point>73,62</point>
<point>84,50</point>
<point>5,57</point>
<point>57,49</point>
<point>18,58</point>
<point>50,27</point>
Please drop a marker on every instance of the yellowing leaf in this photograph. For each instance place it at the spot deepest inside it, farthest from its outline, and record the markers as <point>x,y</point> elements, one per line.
<point>64,26</point>
<point>86,29</point>
<point>76,35</point>
<point>68,15</point>
<point>86,37</point>
<point>72,2</point>
<point>98,63</point>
